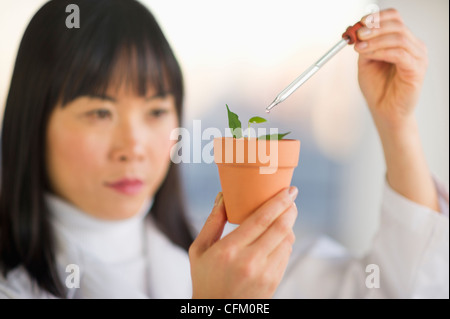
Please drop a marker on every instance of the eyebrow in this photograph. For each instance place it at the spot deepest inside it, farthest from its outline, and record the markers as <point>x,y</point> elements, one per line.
<point>114,100</point>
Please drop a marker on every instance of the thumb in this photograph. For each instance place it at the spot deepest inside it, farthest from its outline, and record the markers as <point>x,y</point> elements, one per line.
<point>213,228</point>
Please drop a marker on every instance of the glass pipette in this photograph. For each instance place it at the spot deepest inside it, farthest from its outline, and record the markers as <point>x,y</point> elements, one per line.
<point>348,37</point>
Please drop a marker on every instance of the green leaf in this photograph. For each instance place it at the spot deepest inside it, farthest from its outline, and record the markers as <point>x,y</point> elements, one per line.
<point>257,119</point>
<point>273,136</point>
<point>234,123</point>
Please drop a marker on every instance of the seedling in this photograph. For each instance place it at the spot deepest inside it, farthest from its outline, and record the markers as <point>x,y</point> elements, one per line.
<point>236,127</point>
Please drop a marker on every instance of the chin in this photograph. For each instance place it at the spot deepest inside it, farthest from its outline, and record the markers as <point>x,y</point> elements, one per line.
<point>114,206</point>
<point>124,208</point>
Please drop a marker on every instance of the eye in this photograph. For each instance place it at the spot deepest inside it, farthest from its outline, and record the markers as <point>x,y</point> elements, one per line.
<point>100,114</point>
<point>158,112</point>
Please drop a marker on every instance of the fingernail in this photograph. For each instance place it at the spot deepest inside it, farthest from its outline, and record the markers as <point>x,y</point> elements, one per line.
<point>293,191</point>
<point>364,31</point>
<point>362,45</point>
<point>218,199</point>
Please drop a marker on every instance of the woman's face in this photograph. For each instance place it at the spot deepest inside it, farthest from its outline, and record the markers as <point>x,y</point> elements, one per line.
<point>107,155</point>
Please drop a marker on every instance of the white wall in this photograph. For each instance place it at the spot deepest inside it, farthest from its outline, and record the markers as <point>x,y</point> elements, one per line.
<point>14,18</point>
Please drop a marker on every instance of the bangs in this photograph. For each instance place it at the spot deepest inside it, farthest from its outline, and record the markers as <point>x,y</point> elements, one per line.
<point>121,46</point>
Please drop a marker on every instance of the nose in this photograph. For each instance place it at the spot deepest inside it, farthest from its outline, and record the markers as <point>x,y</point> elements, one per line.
<point>128,143</point>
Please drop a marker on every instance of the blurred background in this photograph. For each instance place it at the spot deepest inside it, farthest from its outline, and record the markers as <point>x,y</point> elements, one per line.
<point>243,53</point>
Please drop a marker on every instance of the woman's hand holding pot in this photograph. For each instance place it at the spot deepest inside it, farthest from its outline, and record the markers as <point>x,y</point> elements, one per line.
<point>250,261</point>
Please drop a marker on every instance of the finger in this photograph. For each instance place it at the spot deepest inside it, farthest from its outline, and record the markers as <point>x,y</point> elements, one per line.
<point>398,56</point>
<point>213,228</point>
<point>258,222</point>
<point>390,27</point>
<point>389,41</point>
<point>278,260</point>
<point>277,232</point>
<point>383,15</point>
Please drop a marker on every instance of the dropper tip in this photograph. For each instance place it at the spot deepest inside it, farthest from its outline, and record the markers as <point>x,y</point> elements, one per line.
<point>271,106</point>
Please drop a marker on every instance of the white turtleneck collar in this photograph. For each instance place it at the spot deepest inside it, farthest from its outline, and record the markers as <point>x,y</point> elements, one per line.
<point>110,241</point>
<point>129,258</point>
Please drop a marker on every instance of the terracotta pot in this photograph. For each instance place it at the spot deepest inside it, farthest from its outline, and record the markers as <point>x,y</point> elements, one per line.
<point>251,171</point>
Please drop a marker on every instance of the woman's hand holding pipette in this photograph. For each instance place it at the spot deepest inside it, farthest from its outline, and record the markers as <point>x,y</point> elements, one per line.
<point>391,69</point>
<point>392,66</point>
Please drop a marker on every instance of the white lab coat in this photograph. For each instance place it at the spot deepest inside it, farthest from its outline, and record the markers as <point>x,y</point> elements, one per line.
<point>410,254</point>
<point>410,251</point>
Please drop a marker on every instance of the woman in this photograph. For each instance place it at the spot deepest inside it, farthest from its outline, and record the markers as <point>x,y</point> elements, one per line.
<point>90,204</point>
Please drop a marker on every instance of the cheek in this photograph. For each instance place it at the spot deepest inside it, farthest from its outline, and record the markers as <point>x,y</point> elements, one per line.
<point>72,157</point>
<point>162,142</point>
<point>160,148</point>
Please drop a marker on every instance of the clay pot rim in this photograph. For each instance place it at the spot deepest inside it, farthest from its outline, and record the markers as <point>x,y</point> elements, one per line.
<point>255,138</point>
<point>280,161</point>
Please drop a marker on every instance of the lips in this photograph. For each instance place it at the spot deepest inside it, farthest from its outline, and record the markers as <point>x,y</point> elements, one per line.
<point>127,186</point>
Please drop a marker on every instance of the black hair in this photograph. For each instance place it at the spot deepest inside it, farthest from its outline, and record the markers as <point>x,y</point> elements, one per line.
<point>56,64</point>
